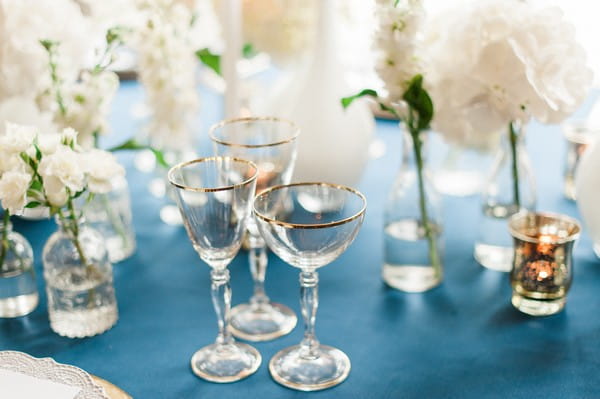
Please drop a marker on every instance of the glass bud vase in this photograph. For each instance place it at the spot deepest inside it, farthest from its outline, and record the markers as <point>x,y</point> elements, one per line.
<point>413,248</point>
<point>110,215</point>
<point>79,281</point>
<point>510,189</point>
<point>18,290</point>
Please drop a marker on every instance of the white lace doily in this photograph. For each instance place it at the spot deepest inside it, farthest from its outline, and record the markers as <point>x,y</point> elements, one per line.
<point>46,368</point>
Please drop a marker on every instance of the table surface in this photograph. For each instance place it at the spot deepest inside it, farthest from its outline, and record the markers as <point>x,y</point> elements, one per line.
<point>461,339</point>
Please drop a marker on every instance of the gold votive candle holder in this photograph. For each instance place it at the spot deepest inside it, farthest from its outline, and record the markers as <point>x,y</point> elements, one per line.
<point>579,135</point>
<point>543,261</point>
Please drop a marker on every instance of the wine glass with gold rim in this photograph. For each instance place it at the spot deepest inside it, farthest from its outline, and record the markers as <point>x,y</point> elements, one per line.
<point>308,237</point>
<point>271,144</point>
<point>214,196</point>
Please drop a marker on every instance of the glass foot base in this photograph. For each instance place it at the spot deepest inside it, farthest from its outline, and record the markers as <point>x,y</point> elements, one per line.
<point>411,278</point>
<point>494,257</point>
<point>291,370</point>
<point>18,306</point>
<point>536,307</point>
<point>225,363</point>
<point>262,323</point>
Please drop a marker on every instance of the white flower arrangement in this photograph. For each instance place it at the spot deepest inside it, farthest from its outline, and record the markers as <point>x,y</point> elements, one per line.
<point>494,62</point>
<point>167,70</point>
<point>24,77</point>
<point>50,169</point>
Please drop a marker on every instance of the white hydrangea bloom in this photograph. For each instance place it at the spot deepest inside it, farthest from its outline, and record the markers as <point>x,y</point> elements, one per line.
<point>167,71</point>
<point>497,61</point>
<point>13,190</point>
<point>101,168</point>
<point>398,55</point>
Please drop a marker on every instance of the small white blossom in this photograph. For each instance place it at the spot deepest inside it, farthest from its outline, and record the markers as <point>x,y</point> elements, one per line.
<point>101,168</point>
<point>13,190</point>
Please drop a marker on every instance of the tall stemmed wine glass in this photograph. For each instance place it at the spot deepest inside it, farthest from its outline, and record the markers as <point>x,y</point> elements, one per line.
<point>214,196</point>
<point>271,144</point>
<point>308,235</point>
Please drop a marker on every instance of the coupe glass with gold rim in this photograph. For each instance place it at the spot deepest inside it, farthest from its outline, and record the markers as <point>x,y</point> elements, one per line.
<point>308,235</point>
<point>271,144</point>
<point>214,196</point>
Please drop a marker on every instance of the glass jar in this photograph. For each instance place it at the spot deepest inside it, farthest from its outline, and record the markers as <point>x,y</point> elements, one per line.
<point>18,289</point>
<point>79,280</point>
<point>110,215</point>
<point>580,136</point>
<point>510,189</point>
<point>413,249</point>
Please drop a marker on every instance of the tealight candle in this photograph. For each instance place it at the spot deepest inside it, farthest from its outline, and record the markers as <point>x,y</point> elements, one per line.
<point>542,266</point>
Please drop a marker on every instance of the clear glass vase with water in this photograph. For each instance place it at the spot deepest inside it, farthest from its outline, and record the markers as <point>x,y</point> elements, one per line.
<point>412,226</point>
<point>18,289</point>
<point>110,215</point>
<point>510,189</point>
<point>79,280</point>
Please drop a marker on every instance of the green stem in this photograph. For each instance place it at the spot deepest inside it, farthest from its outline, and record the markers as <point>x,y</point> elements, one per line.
<point>5,246</point>
<point>429,231</point>
<point>514,137</point>
<point>73,226</point>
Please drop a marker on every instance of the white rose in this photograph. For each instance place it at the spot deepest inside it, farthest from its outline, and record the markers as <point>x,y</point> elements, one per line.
<point>49,143</point>
<point>102,168</point>
<point>13,191</point>
<point>68,136</point>
<point>17,138</point>
<point>24,110</point>
<point>62,169</point>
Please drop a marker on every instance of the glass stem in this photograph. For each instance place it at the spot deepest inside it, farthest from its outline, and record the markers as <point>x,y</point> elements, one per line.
<point>221,298</point>
<point>4,248</point>
<point>514,137</point>
<point>309,302</point>
<point>258,268</point>
<point>429,232</point>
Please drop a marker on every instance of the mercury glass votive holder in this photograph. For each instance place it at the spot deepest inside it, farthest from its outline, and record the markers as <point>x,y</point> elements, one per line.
<point>543,261</point>
<point>579,135</point>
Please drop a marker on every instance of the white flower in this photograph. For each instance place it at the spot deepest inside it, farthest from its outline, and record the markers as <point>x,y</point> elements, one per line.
<point>60,171</point>
<point>68,136</point>
<point>101,168</point>
<point>499,61</point>
<point>167,71</point>
<point>87,102</point>
<point>48,143</point>
<point>17,138</point>
<point>398,56</point>
<point>23,61</point>
<point>13,190</point>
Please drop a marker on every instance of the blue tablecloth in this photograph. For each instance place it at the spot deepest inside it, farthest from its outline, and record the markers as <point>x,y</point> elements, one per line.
<point>462,339</point>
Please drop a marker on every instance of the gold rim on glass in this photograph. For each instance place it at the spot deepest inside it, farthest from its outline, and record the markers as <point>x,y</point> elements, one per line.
<point>316,225</point>
<point>516,233</point>
<point>212,189</point>
<point>218,125</point>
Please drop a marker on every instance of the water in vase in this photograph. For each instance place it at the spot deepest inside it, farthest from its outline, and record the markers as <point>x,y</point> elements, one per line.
<point>407,265</point>
<point>493,248</point>
<point>81,301</point>
<point>18,291</point>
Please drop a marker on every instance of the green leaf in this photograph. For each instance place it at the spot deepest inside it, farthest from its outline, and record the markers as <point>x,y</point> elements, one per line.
<point>78,194</point>
<point>248,51</point>
<point>33,204</point>
<point>346,101</point>
<point>36,185</point>
<point>419,101</point>
<point>133,145</point>
<point>211,60</point>
<point>48,44</point>
<point>38,153</point>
